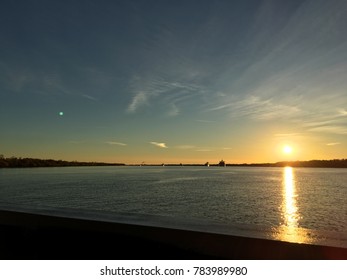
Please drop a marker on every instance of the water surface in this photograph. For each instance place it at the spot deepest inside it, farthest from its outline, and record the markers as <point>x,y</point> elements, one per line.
<point>303,205</point>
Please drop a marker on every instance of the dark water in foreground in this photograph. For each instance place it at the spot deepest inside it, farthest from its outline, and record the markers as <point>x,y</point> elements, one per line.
<point>300,205</point>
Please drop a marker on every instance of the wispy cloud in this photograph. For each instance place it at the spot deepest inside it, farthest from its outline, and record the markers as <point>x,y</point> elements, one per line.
<point>160,145</point>
<point>22,79</point>
<point>318,123</point>
<point>204,150</point>
<point>15,80</point>
<point>115,143</point>
<point>185,147</point>
<point>173,111</point>
<point>329,119</point>
<point>200,149</point>
<point>286,135</point>
<point>140,99</point>
<point>256,107</point>
<point>333,144</point>
<point>290,75</point>
<point>162,94</point>
<point>330,129</point>
<point>89,97</point>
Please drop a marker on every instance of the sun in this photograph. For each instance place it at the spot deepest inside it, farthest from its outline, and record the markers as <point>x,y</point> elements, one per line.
<point>287,149</point>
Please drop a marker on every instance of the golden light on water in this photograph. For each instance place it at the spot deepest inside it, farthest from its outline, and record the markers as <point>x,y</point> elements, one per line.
<point>289,208</point>
<point>289,229</point>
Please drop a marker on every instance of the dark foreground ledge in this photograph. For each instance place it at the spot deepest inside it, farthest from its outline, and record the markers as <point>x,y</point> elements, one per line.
<point>54,236</point>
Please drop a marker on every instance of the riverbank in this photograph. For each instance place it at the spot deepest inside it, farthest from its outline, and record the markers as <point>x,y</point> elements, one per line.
<point>52,235</point>
<point>14,162</point>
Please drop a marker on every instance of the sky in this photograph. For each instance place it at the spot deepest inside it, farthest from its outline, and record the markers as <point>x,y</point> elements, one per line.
<point>173,81</point>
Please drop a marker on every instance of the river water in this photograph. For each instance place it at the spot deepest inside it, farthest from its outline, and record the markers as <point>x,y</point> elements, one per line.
<point>306,205</point>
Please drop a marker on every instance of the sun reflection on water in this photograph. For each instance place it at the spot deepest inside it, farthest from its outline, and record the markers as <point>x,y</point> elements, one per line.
<point>289,229</point>
<point>289,208</point>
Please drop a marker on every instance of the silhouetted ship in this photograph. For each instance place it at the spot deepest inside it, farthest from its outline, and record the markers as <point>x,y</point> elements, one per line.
<point>222,163</point>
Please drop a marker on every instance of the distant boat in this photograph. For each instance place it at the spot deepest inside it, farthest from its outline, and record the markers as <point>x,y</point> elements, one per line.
<point>207,164</point>
<point>222,163</point>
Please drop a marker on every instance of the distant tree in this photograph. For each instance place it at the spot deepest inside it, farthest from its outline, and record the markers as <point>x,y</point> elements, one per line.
<point>3,162</point>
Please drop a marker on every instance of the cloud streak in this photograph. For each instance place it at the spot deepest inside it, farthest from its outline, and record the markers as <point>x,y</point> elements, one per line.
<point>185,147</point>
<point>204,150</point>
<point>140,99</point>
<point>116,143</point>
<point>89,97</point>
<point>166,94</point>
<point>159,145</point>
<point>333,144</point>
<point>330,129</point>
<point>257,108</point>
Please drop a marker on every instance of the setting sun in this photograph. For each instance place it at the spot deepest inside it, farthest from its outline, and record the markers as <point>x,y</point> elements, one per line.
<point>287,150</point>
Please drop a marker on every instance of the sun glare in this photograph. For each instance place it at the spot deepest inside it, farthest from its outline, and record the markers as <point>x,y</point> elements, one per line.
<point>287,149</point>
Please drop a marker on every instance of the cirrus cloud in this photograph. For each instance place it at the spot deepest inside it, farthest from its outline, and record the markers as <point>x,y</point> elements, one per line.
<point>115,143</point>
<point>333,144</point>
<point>160,145</point>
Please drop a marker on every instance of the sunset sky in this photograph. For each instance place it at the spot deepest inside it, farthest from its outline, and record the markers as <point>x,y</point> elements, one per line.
<point>174,81</point>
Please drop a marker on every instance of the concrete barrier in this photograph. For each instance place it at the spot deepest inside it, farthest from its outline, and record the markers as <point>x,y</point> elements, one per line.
<point>56,235</point>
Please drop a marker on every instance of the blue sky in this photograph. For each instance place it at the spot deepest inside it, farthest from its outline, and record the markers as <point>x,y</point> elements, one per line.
<point>173,81</point>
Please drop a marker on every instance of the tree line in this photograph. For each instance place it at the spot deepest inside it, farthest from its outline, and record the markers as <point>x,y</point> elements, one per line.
<point>333,163</point>
<point>34,162</point>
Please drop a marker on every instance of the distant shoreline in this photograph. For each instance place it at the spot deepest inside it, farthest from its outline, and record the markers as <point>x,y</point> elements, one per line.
<point>14,162</point>
<point>312,163</point>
